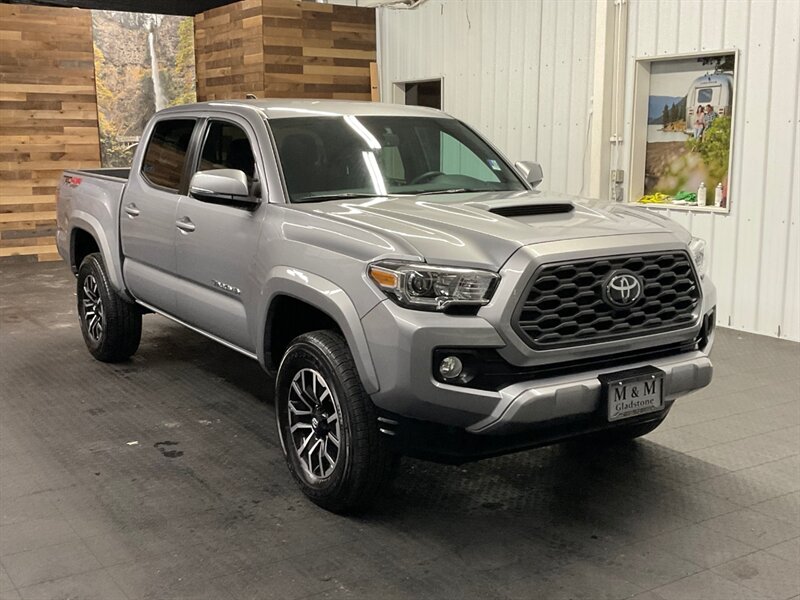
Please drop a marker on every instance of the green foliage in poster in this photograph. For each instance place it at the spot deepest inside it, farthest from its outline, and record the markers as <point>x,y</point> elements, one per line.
<point>715,147</point>
<point>183,76</point>
<point>113,151</point>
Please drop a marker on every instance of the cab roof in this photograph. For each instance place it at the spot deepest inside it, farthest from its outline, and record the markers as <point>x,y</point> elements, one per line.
<point>281,108</point>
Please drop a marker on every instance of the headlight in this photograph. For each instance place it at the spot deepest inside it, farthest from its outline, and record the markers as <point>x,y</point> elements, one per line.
<point>698,249</point>
<point>430,287</point>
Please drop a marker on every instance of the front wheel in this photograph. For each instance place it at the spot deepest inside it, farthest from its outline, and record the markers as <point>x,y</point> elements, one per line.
<point>327,425</point>
<point>111,327</point>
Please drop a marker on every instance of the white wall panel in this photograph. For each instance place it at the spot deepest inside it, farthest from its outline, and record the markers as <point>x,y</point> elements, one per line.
<point>754,251</point>
<point>519,71</point>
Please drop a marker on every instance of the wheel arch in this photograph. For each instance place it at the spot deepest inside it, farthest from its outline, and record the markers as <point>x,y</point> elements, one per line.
<point>319,304</point>
<point>81,244</point>
<point>86,230</point>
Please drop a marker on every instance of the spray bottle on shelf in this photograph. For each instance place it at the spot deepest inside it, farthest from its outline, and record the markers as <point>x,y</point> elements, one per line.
<point>718,195</point>
<point>701,194</point>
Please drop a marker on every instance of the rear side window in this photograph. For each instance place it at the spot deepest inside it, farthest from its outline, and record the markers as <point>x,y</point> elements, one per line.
<point>166,152</point>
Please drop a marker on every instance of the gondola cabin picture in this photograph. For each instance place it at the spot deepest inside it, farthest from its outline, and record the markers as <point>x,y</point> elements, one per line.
<point>690,110</point>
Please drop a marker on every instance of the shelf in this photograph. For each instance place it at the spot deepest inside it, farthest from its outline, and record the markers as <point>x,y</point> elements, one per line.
<point>710,209</point>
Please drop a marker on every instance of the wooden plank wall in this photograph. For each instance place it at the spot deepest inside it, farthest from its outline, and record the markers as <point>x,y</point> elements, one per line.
<point>229,53</point>
<point>48,120</point>
<point>314,50</point>
<point>48,108</point>
<point>306,50</point>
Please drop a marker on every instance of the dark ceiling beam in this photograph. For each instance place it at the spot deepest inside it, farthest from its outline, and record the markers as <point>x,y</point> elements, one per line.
<point>162,7</point>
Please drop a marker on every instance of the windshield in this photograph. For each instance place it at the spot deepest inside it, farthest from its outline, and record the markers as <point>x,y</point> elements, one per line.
<point>333,157</point>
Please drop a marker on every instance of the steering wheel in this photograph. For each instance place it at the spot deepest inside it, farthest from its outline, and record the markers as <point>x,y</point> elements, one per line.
<point>426,176</point>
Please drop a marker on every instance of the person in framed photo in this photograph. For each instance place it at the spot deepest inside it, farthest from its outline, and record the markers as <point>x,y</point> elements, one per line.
<point>709,117</point>
<point>698,122</point>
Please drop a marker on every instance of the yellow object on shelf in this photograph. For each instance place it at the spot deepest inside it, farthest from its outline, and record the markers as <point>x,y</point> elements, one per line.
<point>657,198</point>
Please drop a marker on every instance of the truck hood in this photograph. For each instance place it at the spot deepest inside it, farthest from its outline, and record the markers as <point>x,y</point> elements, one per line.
<point>485,229</point>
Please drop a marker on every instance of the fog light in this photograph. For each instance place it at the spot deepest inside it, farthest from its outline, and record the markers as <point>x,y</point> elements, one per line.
<point>450,367</point>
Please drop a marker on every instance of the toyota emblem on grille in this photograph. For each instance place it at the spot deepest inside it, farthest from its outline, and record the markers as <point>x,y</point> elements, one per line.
<point>622,288</point>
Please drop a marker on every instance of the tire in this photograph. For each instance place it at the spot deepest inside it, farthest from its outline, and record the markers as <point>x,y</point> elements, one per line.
<point>111,327</point>
<point>335,453</point>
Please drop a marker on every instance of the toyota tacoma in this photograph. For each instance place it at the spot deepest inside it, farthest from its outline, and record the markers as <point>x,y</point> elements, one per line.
<point>409,288</point>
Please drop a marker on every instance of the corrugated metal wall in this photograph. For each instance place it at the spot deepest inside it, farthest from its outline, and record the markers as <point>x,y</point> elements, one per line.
<point>521,72</point>
<point>755,256</point>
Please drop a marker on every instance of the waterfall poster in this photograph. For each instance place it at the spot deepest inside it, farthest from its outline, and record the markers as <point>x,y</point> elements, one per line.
<point>143,63</point>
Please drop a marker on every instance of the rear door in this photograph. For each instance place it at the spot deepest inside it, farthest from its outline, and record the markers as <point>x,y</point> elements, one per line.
<point>149,205</point>
<point>215,249</point>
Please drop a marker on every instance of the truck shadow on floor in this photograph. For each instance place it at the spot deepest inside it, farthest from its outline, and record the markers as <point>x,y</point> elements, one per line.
<point>523,513</point>
<point>166,345</point>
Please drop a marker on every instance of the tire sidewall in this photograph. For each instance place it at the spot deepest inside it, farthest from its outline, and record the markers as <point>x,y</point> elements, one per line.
<point>304,354</point>
<point>91,265</point>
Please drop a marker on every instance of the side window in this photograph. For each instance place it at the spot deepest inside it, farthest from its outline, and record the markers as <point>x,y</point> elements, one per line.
<point>227,147</point>
<point>166,152</point>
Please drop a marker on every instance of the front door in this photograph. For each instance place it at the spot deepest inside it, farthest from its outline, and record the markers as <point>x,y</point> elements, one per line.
<point>216,244</point>
<point>147,219</point>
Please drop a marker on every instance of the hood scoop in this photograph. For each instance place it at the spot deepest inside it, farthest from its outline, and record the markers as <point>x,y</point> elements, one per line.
<point>525,206</point>
<point>525,210</point>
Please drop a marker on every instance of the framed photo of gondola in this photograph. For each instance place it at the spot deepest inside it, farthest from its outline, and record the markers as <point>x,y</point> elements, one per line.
<point>682,135</point>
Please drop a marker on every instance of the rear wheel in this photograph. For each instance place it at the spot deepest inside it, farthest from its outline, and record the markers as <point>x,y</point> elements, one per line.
<point>328,426</point>
<point>111,327</point>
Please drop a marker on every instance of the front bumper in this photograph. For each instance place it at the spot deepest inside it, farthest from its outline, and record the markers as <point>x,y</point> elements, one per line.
<point>559,394</point>
<point>402,343</point>
<point>536,402</point>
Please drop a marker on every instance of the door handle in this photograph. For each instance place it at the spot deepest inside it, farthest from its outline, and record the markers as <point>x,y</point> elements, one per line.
<point>132,210</point>
<point>185,225</point>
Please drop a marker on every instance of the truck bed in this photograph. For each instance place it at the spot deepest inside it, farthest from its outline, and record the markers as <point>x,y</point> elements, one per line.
<point>89,200</point>
<point>113,173</point>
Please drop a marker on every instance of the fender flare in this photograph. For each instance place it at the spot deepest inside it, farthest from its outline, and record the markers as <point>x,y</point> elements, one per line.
<point>90,224</point>
<point>328,298</point>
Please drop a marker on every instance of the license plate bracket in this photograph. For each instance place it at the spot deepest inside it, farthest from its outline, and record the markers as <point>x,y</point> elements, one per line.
<point>632,393</point>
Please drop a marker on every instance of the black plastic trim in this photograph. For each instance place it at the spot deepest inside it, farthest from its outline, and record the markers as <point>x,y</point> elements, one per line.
<point>628,335</point>
<point>453,445</point>
<point>532,209</point>
<point>485,369</point>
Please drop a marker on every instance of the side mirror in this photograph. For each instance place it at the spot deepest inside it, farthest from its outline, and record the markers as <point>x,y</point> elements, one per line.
<point>224,186</point>
<point>530,171</point>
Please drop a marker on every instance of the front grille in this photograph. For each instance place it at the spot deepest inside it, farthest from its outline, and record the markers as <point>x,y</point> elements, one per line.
<point>564,304</point>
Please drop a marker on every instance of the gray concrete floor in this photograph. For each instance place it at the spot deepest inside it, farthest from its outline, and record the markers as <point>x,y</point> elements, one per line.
<point>162,478</point>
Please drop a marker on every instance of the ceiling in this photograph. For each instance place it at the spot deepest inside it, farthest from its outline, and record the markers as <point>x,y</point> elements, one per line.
<point>171,7</point>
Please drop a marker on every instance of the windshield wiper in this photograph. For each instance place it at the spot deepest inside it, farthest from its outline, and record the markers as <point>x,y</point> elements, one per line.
<point>349,195</point>
<point>342,196</point>
<point>450,191</point>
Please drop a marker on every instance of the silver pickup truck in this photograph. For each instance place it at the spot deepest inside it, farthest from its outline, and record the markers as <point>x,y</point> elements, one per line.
<point>408,287</point>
